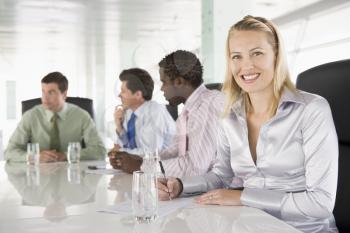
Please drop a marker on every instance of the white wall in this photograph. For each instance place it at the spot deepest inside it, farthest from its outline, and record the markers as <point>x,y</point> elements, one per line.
<point>1,147</point>
<point>317,38</point>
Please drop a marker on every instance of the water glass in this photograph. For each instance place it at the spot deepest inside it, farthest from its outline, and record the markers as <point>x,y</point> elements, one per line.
<point>33,154</point>
<point>73,153</point>
<point>144,197</point>
<point>150,162</point>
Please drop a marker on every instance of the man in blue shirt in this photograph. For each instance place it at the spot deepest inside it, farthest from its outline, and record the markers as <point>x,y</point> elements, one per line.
<point>142,125</point>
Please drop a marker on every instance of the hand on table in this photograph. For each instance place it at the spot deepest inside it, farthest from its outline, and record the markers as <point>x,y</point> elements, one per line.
<point>112,154</point>
<point>51,156</point>
<point>125,161</point>
<point>220,197</point>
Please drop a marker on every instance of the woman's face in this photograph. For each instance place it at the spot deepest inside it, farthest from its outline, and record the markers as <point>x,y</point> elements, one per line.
<point>252,61</point>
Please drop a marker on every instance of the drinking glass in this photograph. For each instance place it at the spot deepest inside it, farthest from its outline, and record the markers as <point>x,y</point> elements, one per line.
<point>33,154</point>
<point>73,153</point>
<point>150,162</point>
<point>144,197</point>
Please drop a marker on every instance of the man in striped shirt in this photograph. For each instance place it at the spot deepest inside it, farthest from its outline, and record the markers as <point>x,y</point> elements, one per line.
<point>194,149</point>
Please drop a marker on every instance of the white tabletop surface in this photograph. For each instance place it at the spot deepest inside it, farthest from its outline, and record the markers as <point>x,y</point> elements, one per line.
<point>59,197</point>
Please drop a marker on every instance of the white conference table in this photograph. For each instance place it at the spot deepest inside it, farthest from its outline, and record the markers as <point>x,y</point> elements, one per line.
<point>65,198</point>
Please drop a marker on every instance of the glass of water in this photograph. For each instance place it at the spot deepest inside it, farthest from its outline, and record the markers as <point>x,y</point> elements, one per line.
<point>73,153</point>
<point>144,197</point>
<point>150,162</point>
<point>33,154</point>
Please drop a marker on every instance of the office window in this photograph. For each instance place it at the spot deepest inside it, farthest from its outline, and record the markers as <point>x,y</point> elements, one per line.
<point>317,39</point>
<point>10,100</point>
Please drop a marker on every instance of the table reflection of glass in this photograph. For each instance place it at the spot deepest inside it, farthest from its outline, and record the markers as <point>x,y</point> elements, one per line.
<point>33,175</point>
<point>54,186</point>
<point>74,173</point>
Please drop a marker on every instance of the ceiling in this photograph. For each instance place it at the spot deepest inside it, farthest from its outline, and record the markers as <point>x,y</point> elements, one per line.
<point>125,19</point>
<point>71,31</point>
<point>276,8</point>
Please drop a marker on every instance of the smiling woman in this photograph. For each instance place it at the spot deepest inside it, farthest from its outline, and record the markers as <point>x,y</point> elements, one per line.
<point>252,63</point>
<point>270,138</point>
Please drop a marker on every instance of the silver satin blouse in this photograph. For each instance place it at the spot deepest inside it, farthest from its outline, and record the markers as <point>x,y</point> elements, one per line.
<point>295,176</point>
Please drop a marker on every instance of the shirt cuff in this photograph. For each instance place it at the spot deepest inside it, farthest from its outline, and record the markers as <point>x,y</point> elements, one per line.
<point>268,200</point>
<point>193,185</point>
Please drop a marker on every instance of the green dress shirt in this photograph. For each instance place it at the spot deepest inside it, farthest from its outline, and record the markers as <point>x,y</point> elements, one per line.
<point>74,124</point>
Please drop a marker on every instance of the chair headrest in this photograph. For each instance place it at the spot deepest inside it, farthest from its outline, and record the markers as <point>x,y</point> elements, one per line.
<point>84,103</point>
<point>214,86</point>
<point>332,81</point>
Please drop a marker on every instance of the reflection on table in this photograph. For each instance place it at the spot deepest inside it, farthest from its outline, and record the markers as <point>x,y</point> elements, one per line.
<point>54,186</point>
<point>58,197</point>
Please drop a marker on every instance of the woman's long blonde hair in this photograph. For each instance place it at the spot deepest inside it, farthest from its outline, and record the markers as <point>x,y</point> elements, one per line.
<point>281,77</point>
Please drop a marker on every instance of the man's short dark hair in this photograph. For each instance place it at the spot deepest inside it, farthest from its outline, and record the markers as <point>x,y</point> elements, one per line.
<point>183,64</point>
<point>138,80</point>
<point>58,78</point>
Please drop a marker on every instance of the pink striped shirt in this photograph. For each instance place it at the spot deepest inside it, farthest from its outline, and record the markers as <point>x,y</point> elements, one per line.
<point>204,108</point>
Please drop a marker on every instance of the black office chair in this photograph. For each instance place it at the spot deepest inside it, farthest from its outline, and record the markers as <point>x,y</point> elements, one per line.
<point>84,103</point>
<point>332,81</point>
<point>173,109</point>
<point>214,86</point>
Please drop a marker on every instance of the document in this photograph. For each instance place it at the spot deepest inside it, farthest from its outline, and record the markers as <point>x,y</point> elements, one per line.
<point>165,208</point>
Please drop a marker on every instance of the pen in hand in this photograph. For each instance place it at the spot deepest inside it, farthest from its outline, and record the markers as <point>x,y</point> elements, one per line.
<point>163,172</point>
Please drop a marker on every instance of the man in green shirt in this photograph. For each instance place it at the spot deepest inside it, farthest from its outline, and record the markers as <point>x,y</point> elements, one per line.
<point>54,124</point>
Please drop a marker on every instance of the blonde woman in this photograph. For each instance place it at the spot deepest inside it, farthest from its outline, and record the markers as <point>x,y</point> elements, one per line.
<point>278,148</point>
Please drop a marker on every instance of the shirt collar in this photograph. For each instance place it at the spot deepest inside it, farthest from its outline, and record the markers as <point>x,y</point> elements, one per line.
<point>290,96</point>
<point>61,114</point>
<point>193,98</point>
<point>287,96</point>
<point>141,109</point>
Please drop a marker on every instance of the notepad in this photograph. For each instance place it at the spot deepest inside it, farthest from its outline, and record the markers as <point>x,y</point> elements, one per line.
<point>165,208</point>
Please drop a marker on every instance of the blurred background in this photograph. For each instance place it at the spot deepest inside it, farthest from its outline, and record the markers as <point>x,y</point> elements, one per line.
<point>92,41</point>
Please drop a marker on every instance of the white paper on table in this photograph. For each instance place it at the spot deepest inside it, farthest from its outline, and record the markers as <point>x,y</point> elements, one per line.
<point>165,208</point>
<point>105,171</point>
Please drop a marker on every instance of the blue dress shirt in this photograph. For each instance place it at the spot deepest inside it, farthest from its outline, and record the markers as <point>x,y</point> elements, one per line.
<point>154,129</point>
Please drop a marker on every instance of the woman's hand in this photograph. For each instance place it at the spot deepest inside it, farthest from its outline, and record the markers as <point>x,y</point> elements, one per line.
<point>169,188</point>
<point>220,197</point>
